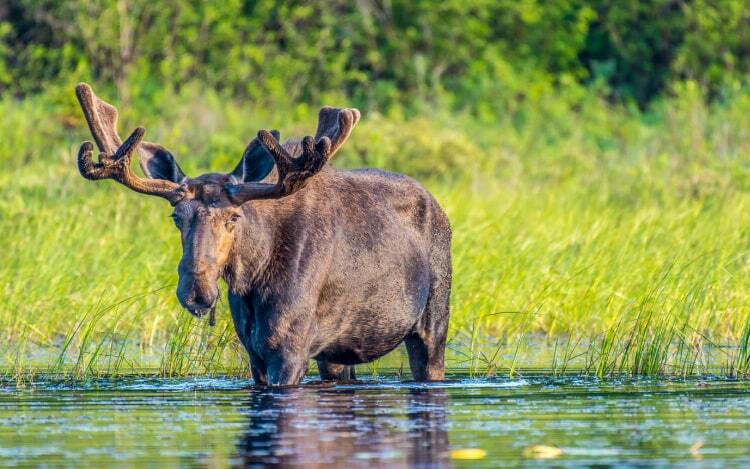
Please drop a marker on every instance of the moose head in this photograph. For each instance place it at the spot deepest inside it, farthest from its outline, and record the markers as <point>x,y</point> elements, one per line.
<point>211,210</point>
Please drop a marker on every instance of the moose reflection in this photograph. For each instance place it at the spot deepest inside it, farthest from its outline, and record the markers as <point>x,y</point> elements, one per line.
<point>335,426</point>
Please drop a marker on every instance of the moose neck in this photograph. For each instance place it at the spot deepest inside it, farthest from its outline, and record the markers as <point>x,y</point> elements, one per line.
<point>251,254</point>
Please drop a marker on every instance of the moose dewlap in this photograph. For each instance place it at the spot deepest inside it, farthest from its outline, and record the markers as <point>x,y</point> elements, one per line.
<point>339,266</point>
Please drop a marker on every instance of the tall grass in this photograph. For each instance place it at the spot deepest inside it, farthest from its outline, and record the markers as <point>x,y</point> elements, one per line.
<point>598,239</point>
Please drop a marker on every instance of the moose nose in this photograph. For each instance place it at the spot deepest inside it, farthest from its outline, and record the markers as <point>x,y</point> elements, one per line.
<point>197,297</point>
<point>200,301</point>
<point>198,306</point>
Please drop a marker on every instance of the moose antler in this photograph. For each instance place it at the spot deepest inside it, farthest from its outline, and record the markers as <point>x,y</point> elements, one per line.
<point>334,127</point>
<point>336,124</point>
<point>293,173</point>
<point>114,156</point>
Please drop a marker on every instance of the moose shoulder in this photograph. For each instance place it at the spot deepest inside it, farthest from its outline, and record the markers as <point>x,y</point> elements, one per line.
<point>339,266</point>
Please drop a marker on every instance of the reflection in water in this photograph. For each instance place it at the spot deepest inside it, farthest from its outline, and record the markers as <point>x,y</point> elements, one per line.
<point>320,427</point>
<point>221,422</point>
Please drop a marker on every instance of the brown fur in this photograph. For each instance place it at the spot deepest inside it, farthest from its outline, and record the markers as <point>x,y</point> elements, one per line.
<point>339,266</point>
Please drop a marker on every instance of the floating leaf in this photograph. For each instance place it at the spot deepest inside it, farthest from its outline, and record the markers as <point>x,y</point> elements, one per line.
<point>542,452</point>
<point>695,450</point>
<point>468,453</point>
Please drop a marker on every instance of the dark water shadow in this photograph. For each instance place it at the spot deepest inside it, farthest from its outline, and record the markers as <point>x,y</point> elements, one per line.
<point>344,427</point>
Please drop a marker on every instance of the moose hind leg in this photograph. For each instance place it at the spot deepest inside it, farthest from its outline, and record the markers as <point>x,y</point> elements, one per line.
<point>426,344</point>
<point>426,357</point>
<point>335,372</point>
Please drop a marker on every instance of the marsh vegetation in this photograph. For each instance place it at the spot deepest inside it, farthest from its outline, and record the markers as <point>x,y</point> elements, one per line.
<point>613,239</point>
<point>598,192</point>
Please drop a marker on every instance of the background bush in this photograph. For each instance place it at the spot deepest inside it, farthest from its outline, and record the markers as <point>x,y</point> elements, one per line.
<point>479,55</point>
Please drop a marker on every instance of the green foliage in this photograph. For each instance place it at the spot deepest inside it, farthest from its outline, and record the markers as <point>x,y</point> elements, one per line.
<point>632,45</point>
<point>714,51</point>
<point>380,55</point>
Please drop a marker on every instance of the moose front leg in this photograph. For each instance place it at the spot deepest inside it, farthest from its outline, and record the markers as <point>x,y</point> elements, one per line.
<point>282,338</point>
<point>242,316</point>
<point>258,370</point>
<point>286,367</point>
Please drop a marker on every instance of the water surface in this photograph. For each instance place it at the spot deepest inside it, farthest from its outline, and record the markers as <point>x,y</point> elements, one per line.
<point>220,422</point>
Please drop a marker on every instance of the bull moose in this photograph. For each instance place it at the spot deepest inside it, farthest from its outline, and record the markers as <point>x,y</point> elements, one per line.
<point>339,266</point>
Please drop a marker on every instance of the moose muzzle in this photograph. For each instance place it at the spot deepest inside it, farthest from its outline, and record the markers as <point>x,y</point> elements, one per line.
<point>197,292</point>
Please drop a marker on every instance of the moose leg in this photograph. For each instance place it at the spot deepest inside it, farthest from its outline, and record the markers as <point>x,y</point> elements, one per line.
<point>242,317</point>
<point>426,345</point>
<point>258,370</point>
<point>335,372</point>
<point>426,357</point>
<point>285,368</point>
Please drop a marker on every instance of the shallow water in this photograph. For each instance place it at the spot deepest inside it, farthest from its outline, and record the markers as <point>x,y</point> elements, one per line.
<point>219,422</point>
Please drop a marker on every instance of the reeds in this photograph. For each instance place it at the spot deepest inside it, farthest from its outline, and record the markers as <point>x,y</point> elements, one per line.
<point>601,241</point>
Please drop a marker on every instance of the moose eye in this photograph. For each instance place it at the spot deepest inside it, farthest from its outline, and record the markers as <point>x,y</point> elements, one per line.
<point>234,219</point>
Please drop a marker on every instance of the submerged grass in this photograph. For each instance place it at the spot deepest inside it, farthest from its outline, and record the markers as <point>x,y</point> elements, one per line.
<point>598,240</point>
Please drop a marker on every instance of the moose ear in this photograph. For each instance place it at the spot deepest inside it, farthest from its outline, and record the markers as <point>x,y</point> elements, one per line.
<point>256,162</point>
<point>158,163</point>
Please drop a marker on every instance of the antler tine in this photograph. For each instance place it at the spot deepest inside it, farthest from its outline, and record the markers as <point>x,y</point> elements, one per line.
<point>293,173</point>
<point>117,167</point>
<point>108,166</point>
<point>336,124</point>
<point>334,127</point>
<point>101,118</point>
<point>114,159</point>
